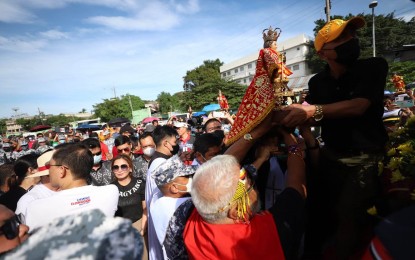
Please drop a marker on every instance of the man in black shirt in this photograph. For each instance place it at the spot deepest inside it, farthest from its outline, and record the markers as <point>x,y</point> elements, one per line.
<point>347,101</point>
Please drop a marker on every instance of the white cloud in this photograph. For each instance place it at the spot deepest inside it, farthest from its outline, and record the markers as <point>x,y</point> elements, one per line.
<point>192,6</point>
<point>13,13</point>
<point>153,16</point>
<point>55,35</point>
<point>21,45</point>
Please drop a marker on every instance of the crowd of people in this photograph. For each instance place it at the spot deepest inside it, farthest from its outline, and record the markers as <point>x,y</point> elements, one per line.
<point>271,189</point>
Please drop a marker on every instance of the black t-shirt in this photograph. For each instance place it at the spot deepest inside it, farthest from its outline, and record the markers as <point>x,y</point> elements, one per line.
<point>365,79</point>
<point>289,216</point>
<point>10,198</point>
<point>130,201</point>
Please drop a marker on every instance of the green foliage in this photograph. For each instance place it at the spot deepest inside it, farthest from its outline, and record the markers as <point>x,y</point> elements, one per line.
<point>391,33</point>
<point>167,102</point>
<point>207,72</point>
<point>54,121</point>
<point>28,123</point>
<point>3,126</point>
<point>118,107</point>
<point>205,83</point>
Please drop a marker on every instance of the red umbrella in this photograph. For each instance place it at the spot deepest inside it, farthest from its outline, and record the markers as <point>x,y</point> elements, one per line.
<point>149,119</point>
<point>40,128</point>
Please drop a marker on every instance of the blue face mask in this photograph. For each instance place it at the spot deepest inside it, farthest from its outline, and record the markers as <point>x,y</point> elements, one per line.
<point>97,159</point>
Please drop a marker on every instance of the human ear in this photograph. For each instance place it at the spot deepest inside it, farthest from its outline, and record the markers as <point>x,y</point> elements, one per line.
<point>233,212</point>
<point>173,189</point>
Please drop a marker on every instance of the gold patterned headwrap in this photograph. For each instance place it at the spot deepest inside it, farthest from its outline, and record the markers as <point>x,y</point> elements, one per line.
<point>241,198</point>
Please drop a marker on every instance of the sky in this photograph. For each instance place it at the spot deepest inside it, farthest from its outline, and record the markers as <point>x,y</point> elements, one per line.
<point>63,56</point>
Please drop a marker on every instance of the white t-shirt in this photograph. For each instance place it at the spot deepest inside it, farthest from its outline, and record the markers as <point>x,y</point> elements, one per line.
<point>162,210</point>
<point>72,201</point>
<point>152,194</point>
<point>39,191</point>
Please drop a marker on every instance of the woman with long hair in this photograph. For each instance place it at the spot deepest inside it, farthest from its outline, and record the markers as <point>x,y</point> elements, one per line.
<point>131,201</point>
<point>20,184</point>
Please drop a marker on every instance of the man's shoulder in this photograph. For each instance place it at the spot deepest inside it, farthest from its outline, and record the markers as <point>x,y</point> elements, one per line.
<point>376,64</point>
<point>108,189</point>
<point>156,163</point>
<point>140,160</point>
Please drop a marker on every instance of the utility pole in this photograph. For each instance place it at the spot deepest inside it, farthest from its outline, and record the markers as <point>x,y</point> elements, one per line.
<point>327,10</point>
<point>115,95</point>
<point>372,5</point>
<point>131,105</point>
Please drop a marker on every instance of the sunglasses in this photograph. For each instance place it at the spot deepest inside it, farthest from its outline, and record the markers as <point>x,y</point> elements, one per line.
<point>127,150</point>
<point>10,228</point>
<point>123,167</point>
<point>96,154</point>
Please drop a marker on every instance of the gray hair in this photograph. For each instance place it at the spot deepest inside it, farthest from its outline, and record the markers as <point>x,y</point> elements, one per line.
<point>213,187</point>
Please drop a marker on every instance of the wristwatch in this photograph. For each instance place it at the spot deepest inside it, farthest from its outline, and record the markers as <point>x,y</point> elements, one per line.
<point>318,114</point>
<point>248,137</point>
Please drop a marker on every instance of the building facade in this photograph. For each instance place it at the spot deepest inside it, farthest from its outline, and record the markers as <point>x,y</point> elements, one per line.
<point>242,70</point>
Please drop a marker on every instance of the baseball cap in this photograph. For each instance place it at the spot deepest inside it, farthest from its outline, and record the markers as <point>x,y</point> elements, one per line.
<point>43,164</point>
<point>334,28</point>
<point>149,128</point>
<point>170,170</point>
<point>180,124</point>
<point>127,128</point>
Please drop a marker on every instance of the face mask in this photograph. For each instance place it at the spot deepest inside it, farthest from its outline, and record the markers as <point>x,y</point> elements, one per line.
<point>61,141</point>
<point>97,159</point>
<point>149,151</point>
<point>188,186</point>
<point>220,134</point>
<point>348,52</point>
<point>175,149</point>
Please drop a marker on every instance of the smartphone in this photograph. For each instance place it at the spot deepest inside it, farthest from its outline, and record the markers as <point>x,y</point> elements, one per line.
<point>218,114</point>
<point>404,103</point>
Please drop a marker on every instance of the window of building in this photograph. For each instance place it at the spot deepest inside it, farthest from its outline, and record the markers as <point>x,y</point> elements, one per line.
<point>224,74</point>
<point>296,67</point>
<point>244,80</point>
<point>236,70</point>
<point>241,68</point>
<point>250,66</point>
<point>228,73</point>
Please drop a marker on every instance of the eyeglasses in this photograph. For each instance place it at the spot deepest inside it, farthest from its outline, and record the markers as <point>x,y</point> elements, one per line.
<point>10,228</point>
<point>96,154</point>
<point>48,165</point>
<point>127,150</point>
<point>117,167</point>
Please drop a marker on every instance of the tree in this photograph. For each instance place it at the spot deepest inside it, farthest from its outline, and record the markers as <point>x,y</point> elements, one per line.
<point>52,120</point>
<point>83,110</point>
<point>202,85</point>
<point>3,128</point>
<point>405,69</point>
<point>118,107</point>
<point>391,33</point>
<point>167,102</point>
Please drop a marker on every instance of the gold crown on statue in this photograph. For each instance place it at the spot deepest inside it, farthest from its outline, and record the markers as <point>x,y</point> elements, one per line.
<point>271,34</point>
